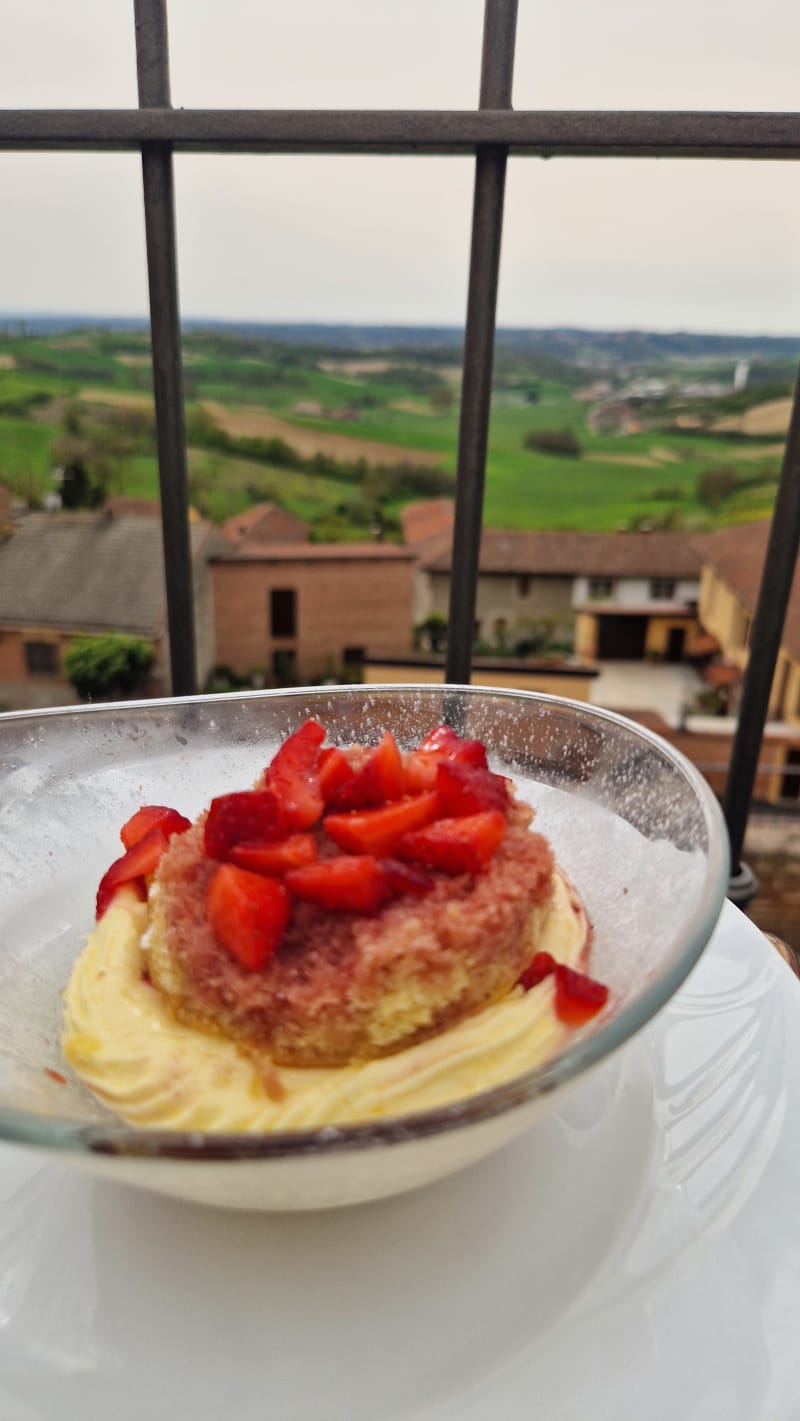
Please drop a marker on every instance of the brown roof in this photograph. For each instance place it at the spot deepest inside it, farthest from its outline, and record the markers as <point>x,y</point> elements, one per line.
<point>737,556</point>
<point>265,522</point>
<point>557,554</point>
<point>314,552</point>
<point>88,571</point>
<point>426,519</point>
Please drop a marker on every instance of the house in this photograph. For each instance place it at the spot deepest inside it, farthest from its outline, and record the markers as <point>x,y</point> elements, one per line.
<point>265,523</point>
<point>301,612</point>
<point>733,559</point>
<point>64,575</point>
<point>627,595</point>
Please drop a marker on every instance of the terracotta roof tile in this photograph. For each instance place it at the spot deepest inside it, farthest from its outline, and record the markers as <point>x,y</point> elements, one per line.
<point>558,554</point>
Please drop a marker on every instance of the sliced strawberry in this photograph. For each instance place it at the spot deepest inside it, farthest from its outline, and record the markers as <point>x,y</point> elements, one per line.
<point>294,776</point>
<point>377,831</point>
<point>149,817</point>
<point>441,746</point>
<point>379,780</point>
<point>345,884</point>
<point>443,739</point>
<point>463,845</point>
<point>246,817</point>
<point>469,789</point>
<point>334,770</point>
<point>444,743</point>
<point>406,877</point>
<point>275,859</point>
<point>578,997</point>
<point>248,914</point>
<point>134,866</point>
<point>539,967</point>
<point>419,771</point>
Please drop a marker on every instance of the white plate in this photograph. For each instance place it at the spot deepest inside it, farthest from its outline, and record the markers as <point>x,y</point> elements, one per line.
<point>634,1257</point>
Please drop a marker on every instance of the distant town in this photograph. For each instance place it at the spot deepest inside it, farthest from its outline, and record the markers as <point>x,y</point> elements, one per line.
<point>630,480</point>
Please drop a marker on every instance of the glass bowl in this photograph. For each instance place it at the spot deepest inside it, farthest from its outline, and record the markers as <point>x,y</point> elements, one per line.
<point>632,823</point>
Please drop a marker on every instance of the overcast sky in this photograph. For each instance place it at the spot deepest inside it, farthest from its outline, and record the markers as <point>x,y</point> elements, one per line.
<point>667,245</point>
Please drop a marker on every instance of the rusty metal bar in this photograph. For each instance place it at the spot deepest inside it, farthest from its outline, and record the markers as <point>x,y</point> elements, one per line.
<point>777,574</point>
<point>537,133</point>
<point>159,210</point>
<point>497,72</point>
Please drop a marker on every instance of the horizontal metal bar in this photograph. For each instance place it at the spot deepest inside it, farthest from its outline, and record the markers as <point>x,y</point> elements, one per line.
<point>580,133</point>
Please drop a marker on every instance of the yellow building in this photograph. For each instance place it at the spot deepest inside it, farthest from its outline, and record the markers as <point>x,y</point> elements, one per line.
<point>732,562</point>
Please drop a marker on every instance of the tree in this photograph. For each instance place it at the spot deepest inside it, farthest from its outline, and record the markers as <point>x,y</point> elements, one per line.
<point>107,668</point>
<point>554,441</point>
<point>715,485</point>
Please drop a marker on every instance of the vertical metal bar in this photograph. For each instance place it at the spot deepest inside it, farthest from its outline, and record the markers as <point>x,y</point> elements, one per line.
<point>497,71</point>
<point>765,640</point>
<point>152,62</point>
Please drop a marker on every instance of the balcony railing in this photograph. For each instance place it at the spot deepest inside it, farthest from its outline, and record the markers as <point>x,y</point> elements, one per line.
<point>490,133</point>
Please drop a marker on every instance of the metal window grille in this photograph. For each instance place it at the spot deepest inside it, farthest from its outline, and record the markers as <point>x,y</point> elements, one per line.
<point>490,133</point>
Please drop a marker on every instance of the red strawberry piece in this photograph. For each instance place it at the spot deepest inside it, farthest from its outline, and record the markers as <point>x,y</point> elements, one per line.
<point>294,776</point>
<point>275,859</point>
<point>463,845</point>
<point>376,831</point>
<point>248,914</point>
<point>443,739</point>
<point>149,817</point>
<point>578,997</point>
<point>469,789</point>
<point>334,770</point>
<point>539,967</point>
<point>419,771</point>
<point>444,743</point>
<point>134,866</point>
<point>380,779</point>
<point>245,817</point>
<point>406,877</point>
<point>345,884</point>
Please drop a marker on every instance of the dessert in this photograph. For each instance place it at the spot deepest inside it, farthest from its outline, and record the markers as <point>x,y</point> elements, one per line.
<point>361,933</point>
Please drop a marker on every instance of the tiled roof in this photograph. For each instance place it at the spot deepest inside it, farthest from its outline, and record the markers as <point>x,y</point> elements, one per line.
<point>556,554</point>
<point>737,556</point>
<point>427,518</point>
<point>315,552</point>
<point>88,571</point>
<point>265,522</point>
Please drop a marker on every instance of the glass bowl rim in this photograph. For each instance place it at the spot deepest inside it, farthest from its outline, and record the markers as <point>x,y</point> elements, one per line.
<point>581,1052</point>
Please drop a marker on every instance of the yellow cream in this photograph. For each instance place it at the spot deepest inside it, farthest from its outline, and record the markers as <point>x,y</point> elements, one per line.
<point>150,1069</point>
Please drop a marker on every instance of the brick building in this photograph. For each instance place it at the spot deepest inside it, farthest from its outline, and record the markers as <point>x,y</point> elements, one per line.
<point>71,574</point>
<point>303,611</point>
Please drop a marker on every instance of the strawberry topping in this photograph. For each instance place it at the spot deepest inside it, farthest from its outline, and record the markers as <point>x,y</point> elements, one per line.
<point>469,789</point>
<point>378,831</point>
<point>246,817</point>
<point>345,884</point>
<point>135,865</point>
<point>275,859</point>
<point>379,780</point>
<point>463,845</point>
<point>293,775</point>
<point>248,913</point>
<point>578,997</point>
<point>152,816</point>
<point>333,770</point>
<point>539,967</point>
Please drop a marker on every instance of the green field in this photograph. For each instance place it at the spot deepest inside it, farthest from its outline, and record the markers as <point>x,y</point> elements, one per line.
<point>399,401</point>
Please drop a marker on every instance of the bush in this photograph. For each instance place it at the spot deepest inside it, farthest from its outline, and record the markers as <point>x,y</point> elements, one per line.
<point>107,668</point>
<point>555,441</point>
<point>715,485</point>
